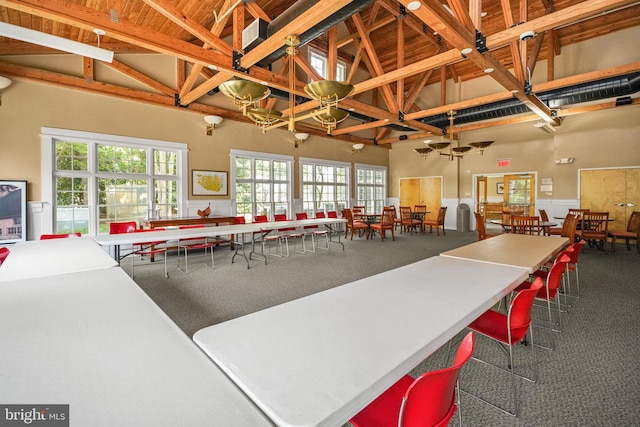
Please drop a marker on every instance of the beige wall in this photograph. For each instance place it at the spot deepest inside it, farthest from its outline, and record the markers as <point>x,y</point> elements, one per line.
<point>28,106</point>
<point>608,138</point>
<point>603,139</point>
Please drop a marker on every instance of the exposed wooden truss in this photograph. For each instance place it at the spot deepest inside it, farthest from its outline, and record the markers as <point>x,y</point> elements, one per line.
<point>402,52</point>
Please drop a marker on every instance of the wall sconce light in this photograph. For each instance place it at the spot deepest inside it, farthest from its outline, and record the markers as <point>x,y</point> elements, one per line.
<point>300,138</point>
<point>4,83</point>
<point>356,148</point>
<point>212,122</point>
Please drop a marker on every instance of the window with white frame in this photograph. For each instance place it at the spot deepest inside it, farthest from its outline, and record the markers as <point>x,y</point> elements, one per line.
<point>325,185</point>
<point>371,187</point>
<point>96,179</point>
<point>261,184</point>
<point>319,62</point>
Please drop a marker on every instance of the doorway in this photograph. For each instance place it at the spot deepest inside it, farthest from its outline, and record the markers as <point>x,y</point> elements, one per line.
<point>616,191</point>
<point>422,191</point>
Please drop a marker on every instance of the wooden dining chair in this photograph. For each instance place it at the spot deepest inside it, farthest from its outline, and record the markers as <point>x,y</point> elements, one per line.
<point>524,224</point>
<point>481,229</point>
<point>568,228</point>
<point>632,232</point>
<point>353,225</point>
<point>408,222</point>
<point>430,400</point>
<point>386,223</point>
<point>595,229</point>
<point>438,222</point>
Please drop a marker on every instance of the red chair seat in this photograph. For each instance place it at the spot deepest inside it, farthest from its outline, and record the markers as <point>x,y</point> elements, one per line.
<point>494,325</point>
<point>385,410</point>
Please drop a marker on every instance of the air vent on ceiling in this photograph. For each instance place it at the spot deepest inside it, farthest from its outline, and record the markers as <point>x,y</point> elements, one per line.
<point>254,34</point>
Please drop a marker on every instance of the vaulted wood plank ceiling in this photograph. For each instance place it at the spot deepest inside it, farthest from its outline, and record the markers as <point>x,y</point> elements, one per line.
<point>430,40</point>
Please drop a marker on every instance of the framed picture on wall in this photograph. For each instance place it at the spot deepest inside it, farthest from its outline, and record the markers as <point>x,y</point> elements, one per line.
<point>208,183</point>
<point>500,188</point>
<point>13,211</point>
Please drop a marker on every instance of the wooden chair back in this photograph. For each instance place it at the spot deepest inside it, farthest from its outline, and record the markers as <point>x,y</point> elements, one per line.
<point>482,231</point>
<point>526,224</point>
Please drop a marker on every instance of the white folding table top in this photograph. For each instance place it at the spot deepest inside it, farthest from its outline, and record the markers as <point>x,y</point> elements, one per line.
<point>221,230</point>
<point>518,250</point>
<point>40,258</point>
<point>318,360</point>
<point>95,341</point>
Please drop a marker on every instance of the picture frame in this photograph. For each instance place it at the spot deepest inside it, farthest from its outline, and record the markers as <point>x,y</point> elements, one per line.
<point>209,183</point>
<point>13,211</point>
<point>500,188</point>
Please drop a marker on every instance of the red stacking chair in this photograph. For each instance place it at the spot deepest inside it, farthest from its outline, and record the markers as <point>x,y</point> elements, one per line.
<point>119,228</point>
<point>510,329</point>
<point>553,283</point>
<point>430,400</point>
<point>4,253</point>
<point>572,266</point>
<point>315,232</point>
<point>274,239</point>
<point>289,233</point>
<point>150,249</point>
<point>59,236</point>
<point>193,243</point>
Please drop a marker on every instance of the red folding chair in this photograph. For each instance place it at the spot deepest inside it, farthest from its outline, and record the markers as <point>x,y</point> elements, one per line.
<point>192,243</point>
<point>429,400</point>
<point>59,236</point>
<point>508,330</point>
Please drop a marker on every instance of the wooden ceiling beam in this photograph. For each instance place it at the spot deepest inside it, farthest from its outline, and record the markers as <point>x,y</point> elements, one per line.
<point>387,93</point>
<point>315,14</point>
<point>514,46</point>
<point>88,19</point>
<point>196,69</point>
<point>568,15</point>
<point>140,77</point>
<point>176,16</point>
<point>436,16</point>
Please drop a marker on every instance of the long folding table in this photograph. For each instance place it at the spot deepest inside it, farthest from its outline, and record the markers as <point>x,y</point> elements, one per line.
<point>39,258</point>
<point>251,229</point>
<point>95,341</point>
<point>318,360</point>
<point>517,250</point>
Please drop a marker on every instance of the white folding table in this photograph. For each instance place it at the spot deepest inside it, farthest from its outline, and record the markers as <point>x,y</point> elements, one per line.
<point>39,258</point>
<point>96,341</point>
<point>517,250</point>
<point>318,360</point>
<point>169,234</point>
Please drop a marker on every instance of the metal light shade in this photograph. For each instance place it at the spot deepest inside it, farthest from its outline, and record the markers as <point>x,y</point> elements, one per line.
<point>438,145</point>
<point>423,151</point>
<point>328,91</point>
<point>264,116</point>
<point>244,92</point>
<point>336,116</point>
<point>481,145</point>
<point>461,150</point>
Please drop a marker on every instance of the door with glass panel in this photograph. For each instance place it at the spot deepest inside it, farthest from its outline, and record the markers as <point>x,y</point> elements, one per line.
<point>520,194</point>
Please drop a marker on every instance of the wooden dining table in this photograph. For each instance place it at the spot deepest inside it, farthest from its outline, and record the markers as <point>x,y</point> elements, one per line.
<point>517,250</point>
